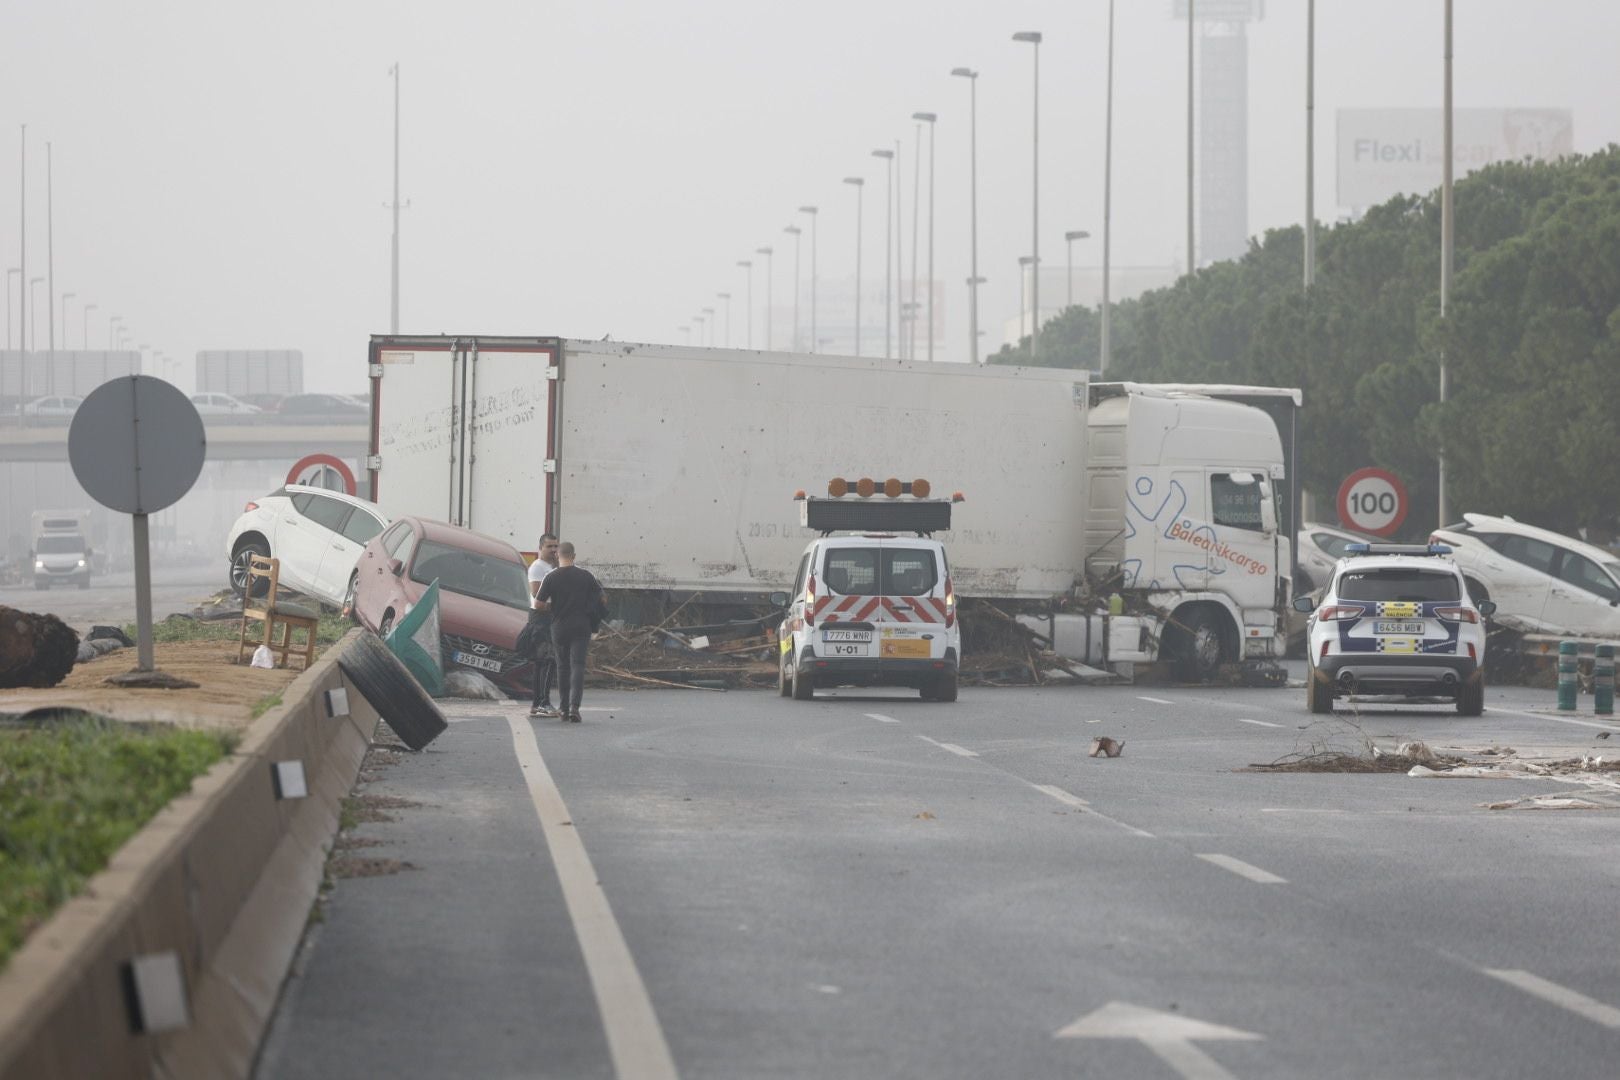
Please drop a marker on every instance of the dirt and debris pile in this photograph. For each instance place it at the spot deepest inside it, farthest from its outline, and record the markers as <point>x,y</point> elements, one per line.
<point>716,656</point>
<point>998,650</point>
<point>35,650</point>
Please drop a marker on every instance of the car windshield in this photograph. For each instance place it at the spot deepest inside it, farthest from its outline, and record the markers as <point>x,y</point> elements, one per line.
<point>1398,583</point>
<point>71,544</point>
<point>483,577</point>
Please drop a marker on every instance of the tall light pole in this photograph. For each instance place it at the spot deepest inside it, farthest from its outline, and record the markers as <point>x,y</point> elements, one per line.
<point>1069,238</point>
<point>393,289</point>
<point>709,321</point>
<point>794,231</point>
<point>1025,262</point>
<point>973,205</point>
<point>65,298</point>
<point>770,290</point>
<point>84,337</point>
<point>699,320</point>
<point>888,222</point>
<point>112,327</point>
<point>916,204</point>
<point>50,275</point>
<point>1033,37</point>
<point>9,271</point>
<point>1108,199</point>
<point>899,255</point>
<point>22,239</point>
<point>748,321</point>
<point>811,210</point>
<point>33,311</point>
<point>1192,257</point>
<point>929,119</point>
<point>1447,239</point>
<point>1310,146</point>
<point>859,184</point>
<point>727,298</point>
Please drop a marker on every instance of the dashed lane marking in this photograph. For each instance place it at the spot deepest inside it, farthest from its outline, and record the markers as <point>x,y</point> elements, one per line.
<point>1243,869</point>
<point>959,751</point>
<point>880,718</point>
<point>1155,700</point>
<point>1257,723</point>
<point>1562,996</point>
<point>1060,795</point>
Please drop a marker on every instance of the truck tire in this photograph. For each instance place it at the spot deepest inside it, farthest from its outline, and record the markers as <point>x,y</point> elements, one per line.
<point>1199,650</point>
<point>392,691</point>
<point>944,687</point>
<point>1318,695</point>
<point>1471,698</point>
<point>803,688</point>
<point>784,685</point>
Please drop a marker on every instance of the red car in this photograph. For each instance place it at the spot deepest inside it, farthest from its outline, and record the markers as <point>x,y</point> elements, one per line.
<point>483,594</point>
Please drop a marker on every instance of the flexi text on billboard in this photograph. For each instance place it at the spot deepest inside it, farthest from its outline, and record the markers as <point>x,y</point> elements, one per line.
<point>1387,152</point>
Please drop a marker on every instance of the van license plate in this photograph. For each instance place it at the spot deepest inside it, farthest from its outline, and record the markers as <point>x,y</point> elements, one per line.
<point>851,648</point>
<point>1382,627</point>
<point>483,663</point>
<point>846,635</point>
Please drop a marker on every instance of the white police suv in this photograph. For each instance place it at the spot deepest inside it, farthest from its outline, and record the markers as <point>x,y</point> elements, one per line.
<point>1396,620</point>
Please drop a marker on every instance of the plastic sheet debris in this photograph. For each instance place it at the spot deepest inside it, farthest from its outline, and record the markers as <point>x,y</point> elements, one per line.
<point>415,640</point>
<point>263,658</point>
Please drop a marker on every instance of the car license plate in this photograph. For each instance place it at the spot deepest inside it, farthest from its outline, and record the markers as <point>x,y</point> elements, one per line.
<point>1384,627</point>
<point>483,663</point>
<point>848,648</point>
<point>830,634</point>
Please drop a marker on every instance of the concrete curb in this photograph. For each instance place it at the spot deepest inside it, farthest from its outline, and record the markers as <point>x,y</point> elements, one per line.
<point>223,877</point>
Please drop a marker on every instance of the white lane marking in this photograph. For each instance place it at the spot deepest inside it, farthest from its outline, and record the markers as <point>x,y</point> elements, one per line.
<point>635,1038</point>
<point>1559,719</point>
<point>1562,996</point>
<point>959,751</point>
<point>1299,810</point>
<point>1155,700</point>
<point>1243,869</point>
<point>1257,723</point>
<point>880,718</point>
<point>1060,795</point>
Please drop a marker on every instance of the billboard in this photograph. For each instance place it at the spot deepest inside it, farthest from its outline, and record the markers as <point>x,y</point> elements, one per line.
<point>1387,152</point>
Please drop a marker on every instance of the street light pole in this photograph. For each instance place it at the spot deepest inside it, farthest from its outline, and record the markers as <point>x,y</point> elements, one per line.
<point>22,239</point>
<point>860,186</point>
<point>50,275</point>
<point>794,231</point>
<point>1108,198</point>
<point>916,204</point>
<point>748,321</point>
<point>33,311</point>
<point>1192,260</point>
<point>709,321</point>
<point>888,236</point>
<point>770,287</point>
<point>1033,37</point>
<point>1448,230</point>
<point>1069,238</point>
<point>1024,262</point>
<point>727,298</point>
<point>65,298</point>
<point>393,291</point>
<point>1310,145</point>
<point>973,205</point>
<point>84,337</point>
<point>811,210</point>
<point>9,271</point>
<point>929,119</point>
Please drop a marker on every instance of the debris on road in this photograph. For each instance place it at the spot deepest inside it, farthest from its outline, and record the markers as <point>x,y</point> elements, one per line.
<point>35,650</point>
<point>470,684</point>
<point>1103,746</point>
<point>1550,802</point>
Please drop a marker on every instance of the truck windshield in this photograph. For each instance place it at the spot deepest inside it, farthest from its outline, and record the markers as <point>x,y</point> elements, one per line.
<point>61,544</point>
<point>1398,584</point>
<point>482,577</point>
<point>887,571</point>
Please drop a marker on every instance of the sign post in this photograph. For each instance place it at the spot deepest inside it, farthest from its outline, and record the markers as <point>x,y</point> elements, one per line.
<point>1373,501</point>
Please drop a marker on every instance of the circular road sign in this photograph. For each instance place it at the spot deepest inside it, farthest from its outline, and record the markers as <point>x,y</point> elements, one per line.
<point>1373,501</point>
<point>136,444</point>
<point>324,471</point>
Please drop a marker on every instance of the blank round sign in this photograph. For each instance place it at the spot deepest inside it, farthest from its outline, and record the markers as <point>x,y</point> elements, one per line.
<point>136,444</point>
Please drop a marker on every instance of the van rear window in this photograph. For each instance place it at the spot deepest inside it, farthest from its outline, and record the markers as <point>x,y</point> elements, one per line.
<point>1398,584</point>
<point>894,571</point>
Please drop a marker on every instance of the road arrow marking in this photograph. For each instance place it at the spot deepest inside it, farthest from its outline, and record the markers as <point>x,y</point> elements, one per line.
<point>1168,1035</point>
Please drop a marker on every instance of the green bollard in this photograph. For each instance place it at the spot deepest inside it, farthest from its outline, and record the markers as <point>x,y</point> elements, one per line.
<point>1568,666</point>
<point>1603,681</point>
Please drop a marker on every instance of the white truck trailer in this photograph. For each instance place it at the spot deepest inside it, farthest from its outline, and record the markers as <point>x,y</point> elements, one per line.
<point>673,468</point>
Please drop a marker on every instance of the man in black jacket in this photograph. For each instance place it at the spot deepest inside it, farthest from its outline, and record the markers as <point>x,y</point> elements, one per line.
<point>576,602</point>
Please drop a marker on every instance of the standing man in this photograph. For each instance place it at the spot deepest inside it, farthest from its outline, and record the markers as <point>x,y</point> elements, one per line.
<point>574,598</point>
<point>545,656</point>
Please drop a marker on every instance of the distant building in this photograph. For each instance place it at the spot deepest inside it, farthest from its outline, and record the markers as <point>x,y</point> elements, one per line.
<point>1221,170</point>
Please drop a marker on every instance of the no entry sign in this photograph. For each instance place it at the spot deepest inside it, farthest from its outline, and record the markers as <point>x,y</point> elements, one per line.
<point>1373,501</point>
<point>323,470</point>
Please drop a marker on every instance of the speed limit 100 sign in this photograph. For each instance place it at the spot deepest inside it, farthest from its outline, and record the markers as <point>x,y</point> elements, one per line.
<point>1372,501</point>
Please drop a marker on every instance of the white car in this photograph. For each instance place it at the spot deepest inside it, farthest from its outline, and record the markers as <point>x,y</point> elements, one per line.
<point>1541,581</point>
<point>316,534</point>
<point>1320,549</point>
<point>213,404</point>
<point>58,405</point>
<point>1396,619</point>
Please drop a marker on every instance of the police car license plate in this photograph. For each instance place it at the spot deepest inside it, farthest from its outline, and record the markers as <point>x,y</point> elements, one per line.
<point>1384,627</point>
<point>483,663</point>
<point>846,635</point>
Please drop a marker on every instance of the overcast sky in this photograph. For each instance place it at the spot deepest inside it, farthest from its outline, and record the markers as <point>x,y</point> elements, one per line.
<point>583,169</point>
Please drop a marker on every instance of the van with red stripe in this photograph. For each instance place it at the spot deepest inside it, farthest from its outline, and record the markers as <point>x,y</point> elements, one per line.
<point>875,609</point>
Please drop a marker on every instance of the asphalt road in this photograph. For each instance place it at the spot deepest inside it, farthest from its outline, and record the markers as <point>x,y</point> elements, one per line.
<point>736,885</point>
<point>110,599</point>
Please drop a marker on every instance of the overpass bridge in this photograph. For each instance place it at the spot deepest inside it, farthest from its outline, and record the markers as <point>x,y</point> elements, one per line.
<point>43,440</point>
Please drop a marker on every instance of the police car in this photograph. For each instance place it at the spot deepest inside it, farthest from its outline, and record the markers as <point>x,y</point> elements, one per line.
<point>1396,620</point>
<point>872,606</point>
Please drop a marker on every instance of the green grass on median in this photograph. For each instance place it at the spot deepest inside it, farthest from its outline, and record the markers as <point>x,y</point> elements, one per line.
<point>181,628</point>
<point>70,794</point>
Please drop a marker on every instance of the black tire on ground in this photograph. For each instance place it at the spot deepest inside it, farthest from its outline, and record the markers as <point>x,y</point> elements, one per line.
<point>1199,650</point>
<point>1471,698</point>
<point>239,567</point>
<point>392,691</point>
<point>1318,695</point>
<point>944,688</point>
<point>803,688</point>
<point>784,686</point>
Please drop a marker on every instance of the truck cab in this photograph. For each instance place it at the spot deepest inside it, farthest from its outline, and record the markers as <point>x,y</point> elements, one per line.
<point>60,554</point>
<point>870,608</point>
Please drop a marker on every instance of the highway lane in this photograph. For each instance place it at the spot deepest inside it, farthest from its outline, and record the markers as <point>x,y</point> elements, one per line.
<point>110,599</point>
<point>867,885</point>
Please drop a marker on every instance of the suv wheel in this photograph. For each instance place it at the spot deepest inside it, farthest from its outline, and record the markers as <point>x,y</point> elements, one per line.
<point>943,688</point>
<point>1318,694</point>
<point>239,568</point>
<point>784,683</point>
<point>803,688</point>
<point>1471,698</point>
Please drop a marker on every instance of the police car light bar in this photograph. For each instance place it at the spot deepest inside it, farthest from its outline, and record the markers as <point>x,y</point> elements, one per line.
<point>1397,549</point>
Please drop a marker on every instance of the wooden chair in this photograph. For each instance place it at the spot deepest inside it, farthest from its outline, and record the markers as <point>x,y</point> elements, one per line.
<point>276,615</point>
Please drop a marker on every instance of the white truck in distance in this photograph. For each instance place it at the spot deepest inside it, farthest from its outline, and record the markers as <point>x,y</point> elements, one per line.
<point>673,468</point>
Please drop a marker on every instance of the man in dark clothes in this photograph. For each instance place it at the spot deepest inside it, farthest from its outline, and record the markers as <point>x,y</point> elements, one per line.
<point>574,598</point>
<point>545,661</point>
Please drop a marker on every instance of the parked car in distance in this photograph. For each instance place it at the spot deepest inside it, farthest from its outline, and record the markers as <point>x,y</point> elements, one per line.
<point>264,402</point>
<point>483,594</point>
<point>62,558</point>
<point>317,534</point>
<point>214,404</point>
<point>1541,581</point>
<point>54,405</point>
<point>331,407</point>
<point>1320,549</point>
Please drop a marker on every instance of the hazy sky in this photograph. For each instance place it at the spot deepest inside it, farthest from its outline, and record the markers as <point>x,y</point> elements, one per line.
<point>597,168</point>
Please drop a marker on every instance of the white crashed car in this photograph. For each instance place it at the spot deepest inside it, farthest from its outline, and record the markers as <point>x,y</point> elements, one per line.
<point>1541,581</point>
<point>316,534</point>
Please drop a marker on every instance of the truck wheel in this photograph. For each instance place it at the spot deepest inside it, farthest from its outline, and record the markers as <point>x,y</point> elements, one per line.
<point>784,685</point>
<point>393,691</point>
<point>1318,695</point>
<point>803,688</point>
<point>1471,698</point>
<point>1199,649</point>
<point>239,568</point>
<point>944,688</point>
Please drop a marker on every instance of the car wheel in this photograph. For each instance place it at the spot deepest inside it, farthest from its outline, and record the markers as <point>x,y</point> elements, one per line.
<point>348,598</point>
<point>1199,649</point>
<point>944,688</point>
<point>784,684</point>
<point>1318,694</point>
<point>393,691</point>
<point>386,625</point>
<point>1471,698</point>
<point>803,688</point>
<point>239,568</point>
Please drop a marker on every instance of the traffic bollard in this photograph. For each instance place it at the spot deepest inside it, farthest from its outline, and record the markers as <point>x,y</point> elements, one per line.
<point>1568,666</point>
<point>1603,681</point>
